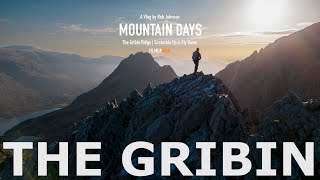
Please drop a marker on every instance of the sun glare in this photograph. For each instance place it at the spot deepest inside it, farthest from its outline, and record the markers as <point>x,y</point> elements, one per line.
<point>267,13</point>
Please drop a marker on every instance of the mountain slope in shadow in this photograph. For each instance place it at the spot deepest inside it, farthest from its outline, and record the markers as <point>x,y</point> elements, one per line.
<point>291,63</point>
<point>134,72</point>
<point>32,79</point>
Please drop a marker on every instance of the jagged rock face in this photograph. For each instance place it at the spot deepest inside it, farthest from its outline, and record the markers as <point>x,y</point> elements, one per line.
<point>188,109</point>
<point>290,63</point>
<point>192,109</point>
<point>288,120</point>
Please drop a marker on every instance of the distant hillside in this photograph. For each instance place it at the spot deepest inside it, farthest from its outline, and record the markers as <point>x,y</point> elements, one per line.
<point>291,63</point>
<point>134,72</point>
<point>32,79</point>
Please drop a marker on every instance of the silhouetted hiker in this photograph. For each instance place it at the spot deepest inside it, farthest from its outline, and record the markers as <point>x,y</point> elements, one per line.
<point>196,56</point>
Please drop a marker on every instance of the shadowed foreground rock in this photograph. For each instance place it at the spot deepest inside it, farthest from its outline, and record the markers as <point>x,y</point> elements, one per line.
<point>192,109</point>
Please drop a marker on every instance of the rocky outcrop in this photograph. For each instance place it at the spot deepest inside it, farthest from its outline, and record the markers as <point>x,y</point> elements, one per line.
<point>188,109</point>
<point>289,120</point>
<point>191,109</point>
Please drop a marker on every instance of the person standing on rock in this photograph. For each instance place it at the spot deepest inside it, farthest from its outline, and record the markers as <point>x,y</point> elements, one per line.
<point>196,56</point>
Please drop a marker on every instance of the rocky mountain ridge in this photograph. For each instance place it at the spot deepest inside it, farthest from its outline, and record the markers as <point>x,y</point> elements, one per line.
<point>190,109</point>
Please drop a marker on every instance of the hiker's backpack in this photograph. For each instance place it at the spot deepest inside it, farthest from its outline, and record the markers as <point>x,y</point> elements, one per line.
<point>195,55</point>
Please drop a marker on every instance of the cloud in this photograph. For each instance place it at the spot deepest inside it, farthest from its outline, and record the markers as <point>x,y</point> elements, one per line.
<point>279,32</point>
<point>3,20</point>
<point>245,43</point>
<point>261,33</point>
<point>120,20</point>
<point>234,34</point>
<point>305,24</point>
<point>250,33</point>
<point>80,28</point>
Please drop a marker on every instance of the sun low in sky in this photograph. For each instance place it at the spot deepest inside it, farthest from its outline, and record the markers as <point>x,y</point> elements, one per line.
<point>264,14</point>
<point>232,29</point>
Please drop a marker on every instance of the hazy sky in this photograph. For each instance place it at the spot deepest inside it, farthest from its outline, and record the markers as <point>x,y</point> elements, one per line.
<point>233,28</point>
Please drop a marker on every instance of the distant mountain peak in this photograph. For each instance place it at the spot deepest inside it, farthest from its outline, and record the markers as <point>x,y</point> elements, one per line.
<point>140,55</point>
<point>134,72</point>
<point>139,59</point>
